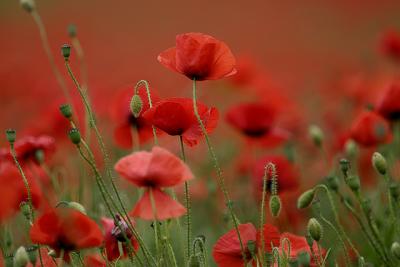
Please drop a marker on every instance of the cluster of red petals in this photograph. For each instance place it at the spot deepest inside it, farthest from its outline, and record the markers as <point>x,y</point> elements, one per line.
<point>26,148</point>
<point>199,56</point>
<point>370,129</point>
<point>13,191</point>
<point>288,178</point>
<point>175,116</point>
<point>227,250</point>
<point>153,171</point>
<point>124,120</point>
<point>66,229</point>
<point>389,104</point>
<point>111,242</point>
<point>390,45</point>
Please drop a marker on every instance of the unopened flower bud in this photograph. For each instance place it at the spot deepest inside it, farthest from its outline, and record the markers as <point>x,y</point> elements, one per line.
<point>11,135</point>
<point>350,148</point>
<point>275,205</point>
<point>71,30</point>
<point>316,134</point>
<point>353,182</point>
<point>344,166</point>
<point>21,257</point>
<point>39,156</point>
<point>395,249</point>
<point>304,258</point>
<point>333,183</point>
<point>66,51</point>
<point>27,5</point>
<point>66,110</point>
<point>305,199</point>
<point>136,105</point>
<point>314,228</point>
<point>379,163</point>
<point>252,247</point>
<point>74,136</point>
<point>77,206</point>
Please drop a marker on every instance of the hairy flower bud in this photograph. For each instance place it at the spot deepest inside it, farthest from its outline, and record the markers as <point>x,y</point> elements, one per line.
<point>305,199</point>
<point>136,105</point>
<point>395,249</point>
<point>66,110</point>
<point>21,257</point>
<point>275,205</point>
<point>316,134</point>
<point>314,228</point>
<point>11,135</point>
<point>379,163</point>
<point>66,51</point>
<point>353,182</point>
<point>71,30</point>
<point>74,136</point>
<point>28,5</point>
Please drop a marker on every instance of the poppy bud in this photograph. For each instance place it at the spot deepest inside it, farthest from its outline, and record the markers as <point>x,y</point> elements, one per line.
<point>28,5</point>
<point>304,258</point>
<point>379,163</point>
<point>136,105</point>
<point>25,210</point>
<point>77,206</point>
<point>252,247</point>
<point>395,249</point>
<point>11,135</point>
<point>316,134</point>
<point>333,183</point>
<point>71,30</point>
<point>314,228</point>
<point>39,156</point>
<point>275,205</point>
<point>394,190</point>
<point>66,51</point>
<point>353,182</point>
<point>350,148</point>
<point>344,166</point>
<point>74,136</point>
<point>366,206</point>
<point>21,257</point>
<point>66,110</point>
<point>305,199</point>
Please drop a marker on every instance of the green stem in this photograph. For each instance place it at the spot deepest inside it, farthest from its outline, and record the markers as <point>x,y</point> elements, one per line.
<point>217,167</point>
<point>264,190</point>
<point>155,223</point>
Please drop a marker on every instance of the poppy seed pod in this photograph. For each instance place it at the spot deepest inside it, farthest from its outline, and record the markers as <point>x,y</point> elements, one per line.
<point>379,163</point>
<point>395,249</point>
<point>28,5</point>
<point>314,229</point>
<point>136,105</point>
<point>21,258</point>
<point>305,199</point>
<point>351,148</point>
<point>304,258</point>
<point>71,30</point>
<point>66,51</point>
<point>353,182</point>
<point>275,205</point>
<point>40,156</point>
<point>66,110</point>
<point>344,166</point>
<point>316,134</point>
<point>11,135</point>
<point>74,136</point>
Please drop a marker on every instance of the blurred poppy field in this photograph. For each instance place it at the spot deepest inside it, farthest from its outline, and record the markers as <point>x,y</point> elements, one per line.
<point>213,133</point>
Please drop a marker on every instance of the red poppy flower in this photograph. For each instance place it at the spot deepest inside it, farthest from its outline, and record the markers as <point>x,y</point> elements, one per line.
<point>287,174</point>
<point>27,147</point>
<point>390,45</point>
<point>94,261</point>
<point>227,251</point>
<point>113,235</point>
<point>389,104</point>
<point>155,170</point>
<point>199,56</point>
<point>370,129</point>
<point>175,116</point>
<point>66,229</point>
<point>126,122</point>
<point>252,119</point>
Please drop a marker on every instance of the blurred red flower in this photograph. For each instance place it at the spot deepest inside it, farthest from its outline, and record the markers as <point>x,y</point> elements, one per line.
<point>199,56</point>
<point>124,120</point>
<point>94,261</point>
<point>155,170</point>
<point>66,229</point>
<point>390,45</point>
<point>175,116</point>
<point>370,129</point>
<point>389,104</point>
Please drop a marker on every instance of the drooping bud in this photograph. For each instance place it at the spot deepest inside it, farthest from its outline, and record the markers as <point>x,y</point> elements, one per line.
<point>344,166</point>
<point>21,258</point>
<point>305,199</point>
<point>353,182</point>
<point>74,136</point>
<point>379,163</point>
<point>333,183</point>
<point>304,258</point>
<point>121,230</point>
<point>316,134</point>
<point>275,205</point>
<point>395,249</point>
<point>66,110</point>
<point>71,30</point>
<point>252,247</point>
<point>66,51</point>
<point>77,206</point>
<point>314,228</point>
<point>28,5</point>
<point>136,105</point>
<point>11,135</point>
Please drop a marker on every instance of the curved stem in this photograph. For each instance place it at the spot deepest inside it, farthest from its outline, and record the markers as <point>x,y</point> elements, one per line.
<point>264,190</point>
